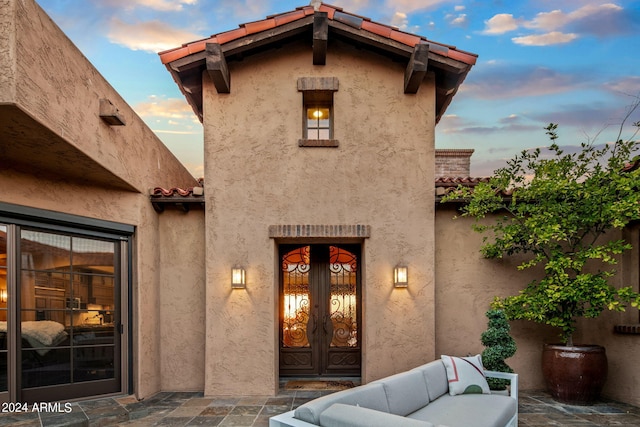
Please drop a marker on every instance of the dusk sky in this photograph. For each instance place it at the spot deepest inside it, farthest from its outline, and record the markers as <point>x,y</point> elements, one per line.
<point>571,62</point>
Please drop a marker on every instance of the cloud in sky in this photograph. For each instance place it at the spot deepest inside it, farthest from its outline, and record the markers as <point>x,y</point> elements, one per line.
<point>172,108</point>
<point>556,19</point>
<point>554,37</point>
<point>459,20</point>
<point>151,36</point>
<point>400,20</point>
<point>559,27</point>
<point>500,24</point>
<point>408,6</point>
<point>504,81</point>
<point>454,124</point>
<point>159,5</point>
<point>629,85</point>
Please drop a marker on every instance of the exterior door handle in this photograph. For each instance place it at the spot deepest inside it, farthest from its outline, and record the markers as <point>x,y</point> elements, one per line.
<point>315,324</point>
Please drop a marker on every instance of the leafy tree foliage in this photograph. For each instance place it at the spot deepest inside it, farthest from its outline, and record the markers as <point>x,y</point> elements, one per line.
<point>556,207</point>
<point>499,345</point>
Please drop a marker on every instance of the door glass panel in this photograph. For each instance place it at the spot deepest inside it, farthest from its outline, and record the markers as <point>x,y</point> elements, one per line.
<point>295,272</point>
<point>68,309</point>
<point>3,308</point>
<point>343,297</point>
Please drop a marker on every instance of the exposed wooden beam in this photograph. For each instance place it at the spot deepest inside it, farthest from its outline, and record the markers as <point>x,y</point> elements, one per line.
<point>217,68</point>
<point>417,68</point>
<point>320,37</point>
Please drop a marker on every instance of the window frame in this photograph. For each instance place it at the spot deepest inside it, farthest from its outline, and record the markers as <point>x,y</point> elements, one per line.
<point>317,92</point>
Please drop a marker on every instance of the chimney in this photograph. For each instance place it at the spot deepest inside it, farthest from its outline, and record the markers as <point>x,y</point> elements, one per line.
<point>453,163</point>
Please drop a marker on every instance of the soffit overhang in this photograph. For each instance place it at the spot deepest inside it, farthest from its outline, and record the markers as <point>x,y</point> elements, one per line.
<point>28,146</point>
<point>187,63</point>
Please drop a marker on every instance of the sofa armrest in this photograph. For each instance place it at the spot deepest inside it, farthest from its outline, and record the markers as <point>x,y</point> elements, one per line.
<point>341,415</point>
<point>513,379</point>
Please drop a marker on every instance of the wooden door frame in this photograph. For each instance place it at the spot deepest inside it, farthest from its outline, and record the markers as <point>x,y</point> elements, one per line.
<point>320,349</point>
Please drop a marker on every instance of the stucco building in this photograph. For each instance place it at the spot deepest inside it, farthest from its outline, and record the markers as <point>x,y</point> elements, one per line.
<point>320,186</point>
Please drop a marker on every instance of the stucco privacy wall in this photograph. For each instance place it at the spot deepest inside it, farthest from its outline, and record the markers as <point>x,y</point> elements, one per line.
<point>466,280</point>
<point>182,300</point>
<point>466,283</point>
<point>623,351</point>
<point>53,93</point>
<point>381,175</point>
<point>53,83</point>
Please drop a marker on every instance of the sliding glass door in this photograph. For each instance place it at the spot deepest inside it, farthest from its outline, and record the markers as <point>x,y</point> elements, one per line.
<point>4,349</point>
<point>61,318</point>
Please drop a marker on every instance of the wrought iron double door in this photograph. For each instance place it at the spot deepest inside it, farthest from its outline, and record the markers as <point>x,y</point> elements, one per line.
<point>320,315</point>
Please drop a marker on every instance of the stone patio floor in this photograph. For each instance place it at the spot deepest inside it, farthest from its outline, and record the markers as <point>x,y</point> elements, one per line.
<point>193,409</point>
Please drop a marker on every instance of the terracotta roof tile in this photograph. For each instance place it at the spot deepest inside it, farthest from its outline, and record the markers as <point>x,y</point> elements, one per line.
<point>331,10</point>
<point>232,35</point>
<point>379,29</point>
<point>159,192</point>
<point>333,13</point>
<point>456,181</point>
<point>200,45</point>
<point>633,165</point>
<point>285,18</point>
<point>173,55</point>
<point>404,38</point>
<point>258,26</point>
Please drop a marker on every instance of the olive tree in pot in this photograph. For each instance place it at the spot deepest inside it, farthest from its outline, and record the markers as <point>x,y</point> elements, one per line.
<point>557,207</point>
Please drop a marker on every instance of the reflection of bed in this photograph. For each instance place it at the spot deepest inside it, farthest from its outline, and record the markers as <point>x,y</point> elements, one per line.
<point>41,364</point>
<point>40,335</point>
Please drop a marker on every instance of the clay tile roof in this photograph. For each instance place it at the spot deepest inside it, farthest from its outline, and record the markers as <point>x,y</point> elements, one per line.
<point>446,185</point>
<point>183,198</point>
<point>633,165</point>
<point>187,62</point>
<point>456,181</point>
<point>334,14</point>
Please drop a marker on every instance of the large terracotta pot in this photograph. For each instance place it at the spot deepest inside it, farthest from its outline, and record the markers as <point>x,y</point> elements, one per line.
<point>574,374</point>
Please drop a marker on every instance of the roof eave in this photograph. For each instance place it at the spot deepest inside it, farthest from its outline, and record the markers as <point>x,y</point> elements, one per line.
<point>187,63</point>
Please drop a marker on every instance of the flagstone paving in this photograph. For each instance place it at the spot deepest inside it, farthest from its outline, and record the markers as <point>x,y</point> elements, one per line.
<point>536,409</point>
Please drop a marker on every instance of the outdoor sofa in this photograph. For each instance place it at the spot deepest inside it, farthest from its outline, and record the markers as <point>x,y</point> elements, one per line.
<point>419,397</point>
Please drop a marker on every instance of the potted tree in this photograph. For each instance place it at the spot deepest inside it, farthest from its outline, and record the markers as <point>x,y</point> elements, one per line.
<point>557,207</point>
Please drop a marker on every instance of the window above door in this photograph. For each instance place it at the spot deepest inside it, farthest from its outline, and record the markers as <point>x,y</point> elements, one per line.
<point>318,112</point>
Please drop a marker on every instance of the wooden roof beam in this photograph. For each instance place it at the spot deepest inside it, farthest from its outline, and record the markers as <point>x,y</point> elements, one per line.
<point>320,37</point>
<point>417,68</point>
<point>217,68</point>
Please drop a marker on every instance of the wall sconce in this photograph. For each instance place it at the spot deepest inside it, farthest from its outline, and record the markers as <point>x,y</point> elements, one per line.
<point>238,278</point>
<point>3,295</point>
<point>400,274</point>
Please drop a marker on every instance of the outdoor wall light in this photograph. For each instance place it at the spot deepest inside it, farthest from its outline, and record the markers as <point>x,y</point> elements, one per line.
<point>238,278</point>
<point>3,295</point>
<point>400,274</point>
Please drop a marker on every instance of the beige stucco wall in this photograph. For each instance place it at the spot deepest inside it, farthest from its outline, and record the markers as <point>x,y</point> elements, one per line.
<point>53,84</point>
<point>466,284</point>
<point>623,351</point>
<point>257,176</point>
<point>51,94</point>
<point>182,300</point>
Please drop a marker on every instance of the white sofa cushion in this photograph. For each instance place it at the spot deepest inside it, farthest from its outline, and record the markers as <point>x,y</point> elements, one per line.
<point>435,375</point>
<point>465,410</point>
<point>465,375</point>
<point>370,396</point>
<point>341,415</point>
<point>406,392</point>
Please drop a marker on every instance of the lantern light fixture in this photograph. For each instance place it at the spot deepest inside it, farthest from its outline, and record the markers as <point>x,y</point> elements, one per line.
<point>400,274</point>
<point>238,278</point>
